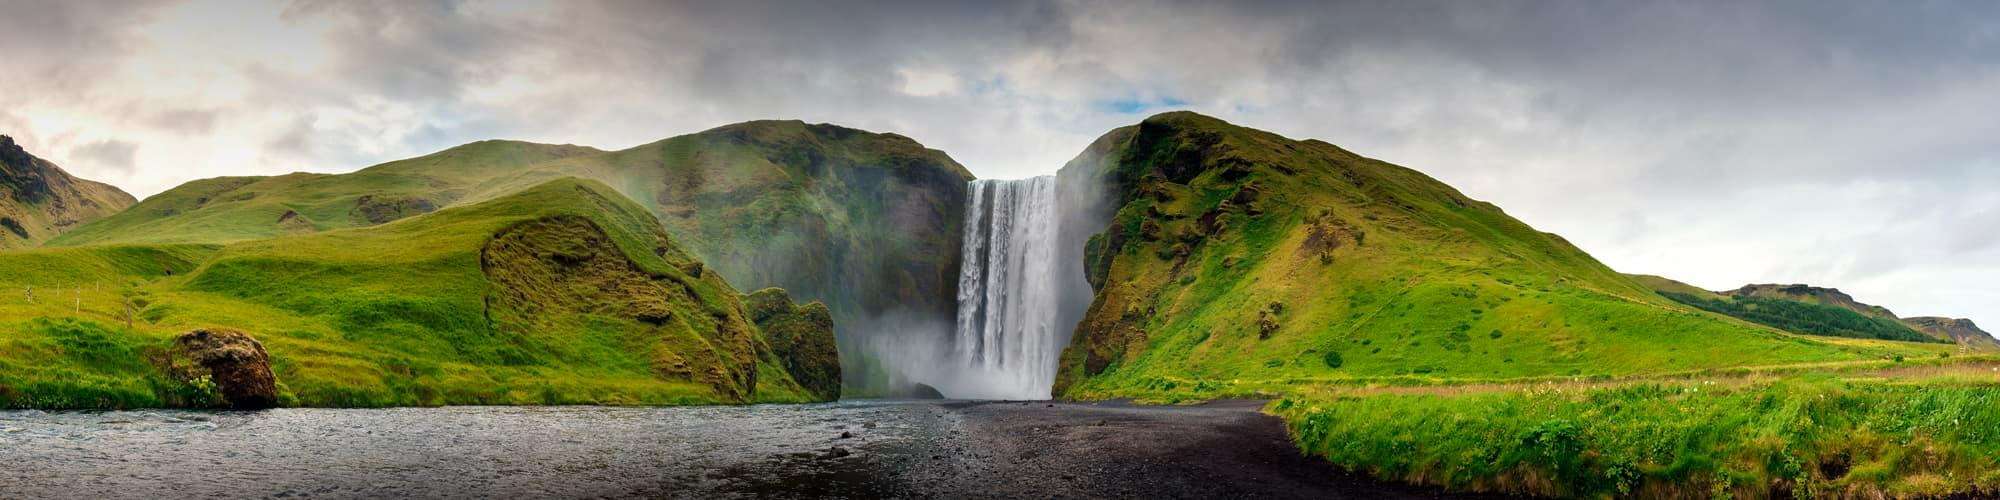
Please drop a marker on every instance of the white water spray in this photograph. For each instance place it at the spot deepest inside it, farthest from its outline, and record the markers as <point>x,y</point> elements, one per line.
<point>1010,334</point>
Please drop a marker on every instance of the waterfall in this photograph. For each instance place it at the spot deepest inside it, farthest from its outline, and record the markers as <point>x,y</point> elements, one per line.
<point>1011,325</point>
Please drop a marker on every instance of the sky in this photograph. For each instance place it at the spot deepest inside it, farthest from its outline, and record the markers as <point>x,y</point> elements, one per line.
<point>1832,142</point>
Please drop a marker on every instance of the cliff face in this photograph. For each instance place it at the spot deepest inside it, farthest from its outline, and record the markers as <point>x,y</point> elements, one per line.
<point>38,200</point>
<point>867,223</point>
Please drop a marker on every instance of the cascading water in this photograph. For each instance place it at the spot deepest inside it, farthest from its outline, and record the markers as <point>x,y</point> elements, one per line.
<point>1012,322</point>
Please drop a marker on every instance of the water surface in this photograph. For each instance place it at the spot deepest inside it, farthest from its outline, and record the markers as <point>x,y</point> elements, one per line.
<point>886,449</point>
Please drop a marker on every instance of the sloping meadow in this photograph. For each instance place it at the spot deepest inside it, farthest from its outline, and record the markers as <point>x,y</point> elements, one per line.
<point>561,293</point>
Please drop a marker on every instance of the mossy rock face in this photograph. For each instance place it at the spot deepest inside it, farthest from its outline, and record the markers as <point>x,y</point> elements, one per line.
<point>232,361</point>
<point>801,337</point>
<point>550,273</point>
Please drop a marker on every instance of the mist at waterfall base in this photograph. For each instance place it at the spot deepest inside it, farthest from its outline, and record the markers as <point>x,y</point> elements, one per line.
<point>1021,292</point>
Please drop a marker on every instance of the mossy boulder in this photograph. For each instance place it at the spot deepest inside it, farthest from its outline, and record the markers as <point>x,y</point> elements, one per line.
<point>801,337</point>
<point>233,362</point>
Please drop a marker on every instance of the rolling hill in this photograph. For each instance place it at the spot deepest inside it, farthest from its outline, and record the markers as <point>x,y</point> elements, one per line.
<point>563,292</point>
<point>38,200</point>
<point>1233,259</point>
<point>867,223</point>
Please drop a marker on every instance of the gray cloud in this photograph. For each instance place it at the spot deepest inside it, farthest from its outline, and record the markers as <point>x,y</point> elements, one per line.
<point>105,155</point>
<point>1719,142</point>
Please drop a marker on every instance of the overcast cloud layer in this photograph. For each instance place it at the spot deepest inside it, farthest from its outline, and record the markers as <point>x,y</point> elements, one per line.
<point>1848,144</point>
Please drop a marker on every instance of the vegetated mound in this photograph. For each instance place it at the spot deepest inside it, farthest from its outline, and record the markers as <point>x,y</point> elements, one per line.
<point>1813,310</point>
<point>565,292</point>
<point>796,334</point>
<point>868,223</point>
<point>38,200</point>
<point>1235,257</point>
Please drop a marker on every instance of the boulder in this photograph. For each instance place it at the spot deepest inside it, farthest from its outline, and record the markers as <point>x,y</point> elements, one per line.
<point>234,361</point>
<point>921,391</point>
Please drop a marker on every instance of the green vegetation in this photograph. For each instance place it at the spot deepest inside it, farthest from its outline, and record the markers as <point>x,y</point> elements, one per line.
<point>1802,317</point>
<point>561,293</point>
<point>867,223</point>
<point>1926,430</point>
<point>1237,260</point>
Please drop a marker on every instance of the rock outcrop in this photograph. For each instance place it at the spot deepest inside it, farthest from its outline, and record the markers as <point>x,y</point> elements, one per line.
<point>231,360</point>
<point>38,200</point>
<point>801,336</point>
<point>1961,331</point>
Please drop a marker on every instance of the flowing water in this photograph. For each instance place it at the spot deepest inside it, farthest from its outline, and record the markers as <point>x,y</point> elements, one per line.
<point>1010,331</point>
<point>457,452</point>
<point>886,449</point>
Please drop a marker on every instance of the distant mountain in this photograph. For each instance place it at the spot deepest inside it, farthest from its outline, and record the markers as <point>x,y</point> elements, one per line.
<point>1958,330</point>
<point>1811,295</point>
<point>1812,310</point>
<point>1227,255</point>
<point>38,200</point>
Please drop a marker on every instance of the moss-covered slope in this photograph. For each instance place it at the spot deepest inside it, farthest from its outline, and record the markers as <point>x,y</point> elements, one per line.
<point>868,223</point>
<point>39,201</point>
<point>1239,259</point>
<point>565,292</point>
<point>865,222</point>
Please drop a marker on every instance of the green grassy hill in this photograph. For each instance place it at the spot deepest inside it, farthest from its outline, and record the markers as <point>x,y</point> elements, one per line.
<point>231,209</point>
<point>565,292</point>
<point>1239,260</point>
<point>38,200</point>
<point>867,223</point>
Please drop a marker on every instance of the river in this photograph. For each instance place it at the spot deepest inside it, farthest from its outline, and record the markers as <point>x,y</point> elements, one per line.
<point>861,449</point>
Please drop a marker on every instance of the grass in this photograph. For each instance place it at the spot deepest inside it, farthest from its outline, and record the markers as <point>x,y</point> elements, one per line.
<point>867,223</point>
<point>1245,260</point>
<point>414,312</point>
<point>1922,430</point>
<point>1417,335</point>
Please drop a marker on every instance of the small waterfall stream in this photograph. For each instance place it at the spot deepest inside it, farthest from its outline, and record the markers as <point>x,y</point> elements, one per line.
<point>1011,326</point>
